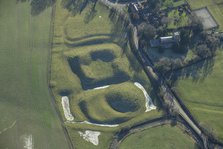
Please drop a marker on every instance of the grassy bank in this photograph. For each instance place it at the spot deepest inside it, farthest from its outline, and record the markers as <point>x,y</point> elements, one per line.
<point>91,50</point>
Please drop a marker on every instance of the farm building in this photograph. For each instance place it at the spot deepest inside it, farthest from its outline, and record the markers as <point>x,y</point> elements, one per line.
<point>166,42</point>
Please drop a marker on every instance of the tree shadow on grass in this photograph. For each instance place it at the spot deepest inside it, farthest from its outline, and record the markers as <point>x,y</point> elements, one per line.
<point>75,6</point>
<point>90,15</point>
<point>119,28</point>
<point>198,72</point>
<point>38,6</point>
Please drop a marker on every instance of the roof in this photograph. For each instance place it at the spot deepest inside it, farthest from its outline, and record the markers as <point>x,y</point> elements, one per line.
<point>168,39</point>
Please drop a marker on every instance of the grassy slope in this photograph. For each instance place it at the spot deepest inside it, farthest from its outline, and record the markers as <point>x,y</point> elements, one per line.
<point>159,137</point>
<point>204,98</point>
<point>77,43</point>
<point>214,6</point>
<point>99,106</point>
<point>24,96</point>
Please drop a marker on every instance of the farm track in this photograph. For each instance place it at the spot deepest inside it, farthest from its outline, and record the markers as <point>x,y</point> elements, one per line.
<point>53,101</point>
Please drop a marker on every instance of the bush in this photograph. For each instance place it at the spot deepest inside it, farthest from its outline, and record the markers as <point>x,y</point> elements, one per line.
<point>147,31</point>
<point>203,51</point>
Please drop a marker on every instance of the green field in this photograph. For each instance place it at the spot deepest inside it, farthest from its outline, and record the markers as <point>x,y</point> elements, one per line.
<point>159,137</point>
<point>214,6</point>
<point>25,107</point>
<point>89,52</point>
<point>203,96</point>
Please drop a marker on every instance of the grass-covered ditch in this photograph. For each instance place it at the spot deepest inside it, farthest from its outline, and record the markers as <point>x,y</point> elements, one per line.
<point>90,52</point>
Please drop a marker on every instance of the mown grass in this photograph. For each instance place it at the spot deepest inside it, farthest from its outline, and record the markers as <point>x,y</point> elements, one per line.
<point>79,65</point>
<point>159,137</point>
<point>203,97</point>
<point>24,95</point>
<point>214,6</point>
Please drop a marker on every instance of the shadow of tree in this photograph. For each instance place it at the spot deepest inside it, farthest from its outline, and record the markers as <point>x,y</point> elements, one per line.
<point>75,6</point>
<point>198,72</point>
<point>38,6</point>
<point>91,13</point>
<point>119,29</point>
<point>17,1</point>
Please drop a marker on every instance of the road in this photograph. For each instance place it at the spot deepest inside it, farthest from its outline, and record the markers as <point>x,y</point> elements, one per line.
<point>170,97</point>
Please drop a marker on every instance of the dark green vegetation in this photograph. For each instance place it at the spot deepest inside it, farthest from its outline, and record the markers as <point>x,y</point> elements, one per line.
<point>202,94</point>
<point>159,137</point>
<point>25,107</point>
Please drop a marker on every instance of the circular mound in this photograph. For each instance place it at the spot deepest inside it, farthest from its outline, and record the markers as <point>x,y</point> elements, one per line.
<point>121,103</point>
<point>103,55</point>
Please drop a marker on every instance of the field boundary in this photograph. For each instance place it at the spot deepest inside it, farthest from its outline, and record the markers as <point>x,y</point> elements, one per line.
<point>180,123</point>
<point>52,97</point>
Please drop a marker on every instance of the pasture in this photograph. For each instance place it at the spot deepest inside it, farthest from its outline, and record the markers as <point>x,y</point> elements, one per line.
<point>214,6</point>
<point>90,52</point>
<point>25,104</point>
<point>202,94</point>
<point>159,137</point>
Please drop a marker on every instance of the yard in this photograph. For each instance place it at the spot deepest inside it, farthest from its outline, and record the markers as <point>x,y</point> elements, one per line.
<point>159,137</point>
<point>214,6</point>
<point>25,104</point>
<point>203,96</point>
<point>177,19</point>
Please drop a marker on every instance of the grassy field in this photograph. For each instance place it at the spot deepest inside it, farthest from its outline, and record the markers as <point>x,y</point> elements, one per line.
<point>214,6</point>
<point>203,96</point>
<point>89,52</point>
<point>25,107</point>
<point>159,137</point>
